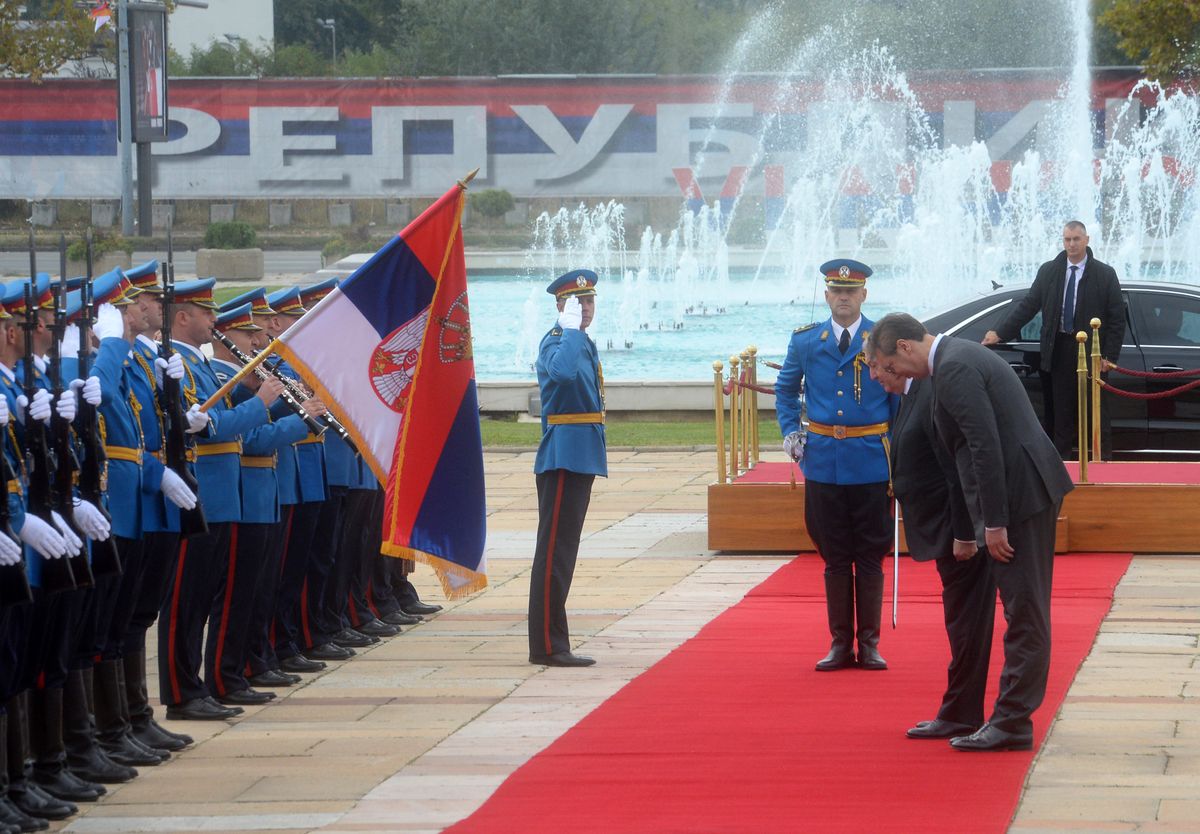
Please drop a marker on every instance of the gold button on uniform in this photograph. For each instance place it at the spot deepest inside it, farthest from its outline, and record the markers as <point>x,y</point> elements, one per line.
<point>839,393</point>
<point>839,412</point>
<point>839,373</point>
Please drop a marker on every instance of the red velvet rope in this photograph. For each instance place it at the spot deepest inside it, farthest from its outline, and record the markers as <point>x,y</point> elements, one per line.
<point>1160,395</point>
<point>1158,375</point>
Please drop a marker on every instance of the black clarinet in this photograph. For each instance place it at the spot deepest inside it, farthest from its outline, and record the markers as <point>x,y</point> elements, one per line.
<point>327,418</point>
<point>294,403</point>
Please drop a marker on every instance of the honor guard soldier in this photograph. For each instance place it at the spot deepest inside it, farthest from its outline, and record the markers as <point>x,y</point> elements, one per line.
<point>218,469</point>
<point>570,456</point>
<point>844,459</point>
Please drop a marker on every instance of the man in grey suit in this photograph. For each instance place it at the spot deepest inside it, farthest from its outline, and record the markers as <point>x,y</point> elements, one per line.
<point>1013,481</point>
<point>938,527</point>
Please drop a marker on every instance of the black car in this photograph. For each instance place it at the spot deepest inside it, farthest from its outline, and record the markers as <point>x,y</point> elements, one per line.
<point>1162,333</point>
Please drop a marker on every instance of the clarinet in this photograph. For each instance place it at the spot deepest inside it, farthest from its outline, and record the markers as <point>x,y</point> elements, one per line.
<point>327,418</point>
<point>293,402</point>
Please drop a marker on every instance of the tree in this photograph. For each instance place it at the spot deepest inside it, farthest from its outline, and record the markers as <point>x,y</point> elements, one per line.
<point>1163,34</point>
<point>52,33</point>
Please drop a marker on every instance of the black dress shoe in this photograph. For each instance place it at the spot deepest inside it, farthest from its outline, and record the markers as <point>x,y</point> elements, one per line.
<point>839,657</point>
<point>300,663</point>
<point>273,677</point>
<point>35,802</point>
<point>348,638</point>
<point>92,764</point>
<point>937,728</point>
<point>561,659</point>
<point>66,786</point>
<point>201,709</point>
<point>378,628</point>
<point>160,738</point>
<point>988,738</point>
<point>246,697</point>
<point>124,750</point>
<point>15,819</point>
<point>419,609</point>
<point>399,618</point>
<point>328,651</point>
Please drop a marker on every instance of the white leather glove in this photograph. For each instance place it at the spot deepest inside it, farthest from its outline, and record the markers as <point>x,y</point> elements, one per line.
<point>4,415</point>
<point>173,367</point>
<point>110,324</point>
<point>74,543</point>
<point>571,316</point>
<point>43,538</point>
<point>67,405</point>
<point>91,521</point>
<point>68,348</point>
<point>177,491</point>
<point>39,363</point>
<point>197,419</point>
<point>10,551</point>
<point>39,408</point>
<point>91,390</point>
<point>793,446</point>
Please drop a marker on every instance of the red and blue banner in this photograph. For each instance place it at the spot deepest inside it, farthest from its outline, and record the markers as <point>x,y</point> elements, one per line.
<point>390,353</point>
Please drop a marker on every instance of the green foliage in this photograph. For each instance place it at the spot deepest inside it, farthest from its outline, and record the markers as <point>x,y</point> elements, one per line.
<point>501,433</point>
<point>1163,34</point>
<point>335,249</point>
<point>101,245</point>
<point>50,33</point>
<point>492,203</point>
<point>230,234</point>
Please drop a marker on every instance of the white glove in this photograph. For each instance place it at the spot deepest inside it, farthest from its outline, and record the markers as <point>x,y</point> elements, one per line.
<point>793,446</point>
<point>74,543</point>
<point>197,419</point>
<point>91,521</point>
<point>39,408</point>
<point>177,491</point>
<point>39,363</point>
<point>571,316</point>
<point>68,348</point>
<point>43,538</point>
<point>67,405</point>
<point>10,551</point>
<point>4,415</point>
<point>173,366</point>
<point>110,324</point>
<point>91,390</point>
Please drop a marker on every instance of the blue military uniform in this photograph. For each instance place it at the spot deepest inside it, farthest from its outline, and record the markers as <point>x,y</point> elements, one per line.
<point>570,456</point>
<point>845,465</point>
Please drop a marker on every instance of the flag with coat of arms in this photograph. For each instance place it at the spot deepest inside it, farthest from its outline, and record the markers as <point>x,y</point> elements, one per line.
<point>389,351</point>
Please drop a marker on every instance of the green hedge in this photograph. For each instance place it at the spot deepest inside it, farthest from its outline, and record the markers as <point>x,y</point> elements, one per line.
<point>231,234</point>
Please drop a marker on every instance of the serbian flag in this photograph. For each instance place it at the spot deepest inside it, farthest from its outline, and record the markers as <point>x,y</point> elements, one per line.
<point>389,351</point>
<point>100,15</point>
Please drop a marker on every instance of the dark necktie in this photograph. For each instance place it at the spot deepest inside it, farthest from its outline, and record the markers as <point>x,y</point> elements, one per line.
<point>1068,319</point>
<point>844,343</point>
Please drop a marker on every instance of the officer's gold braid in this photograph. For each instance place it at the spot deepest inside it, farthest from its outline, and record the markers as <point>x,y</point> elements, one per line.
<point>12,435</point>
<point>600,377</point>
<point>136,406</point>
<point>189,387</point>
<point>141,360</point>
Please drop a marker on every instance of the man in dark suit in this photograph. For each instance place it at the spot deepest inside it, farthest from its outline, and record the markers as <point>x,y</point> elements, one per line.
<point>938,527</point>
<point>1013,482</point>
<point>1069,292</point>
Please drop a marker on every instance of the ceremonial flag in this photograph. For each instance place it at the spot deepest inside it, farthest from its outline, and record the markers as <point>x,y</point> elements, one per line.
<point>389,351</point>
<point>100,15</point>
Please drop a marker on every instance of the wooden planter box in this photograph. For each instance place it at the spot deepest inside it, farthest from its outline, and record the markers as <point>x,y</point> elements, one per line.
<point>105,263</point>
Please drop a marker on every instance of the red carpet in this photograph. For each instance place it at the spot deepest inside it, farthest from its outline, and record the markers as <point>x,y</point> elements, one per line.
<point>1149,472</point>
<point>734,731</point>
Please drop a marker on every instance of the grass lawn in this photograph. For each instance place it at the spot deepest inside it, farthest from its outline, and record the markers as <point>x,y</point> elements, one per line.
<point>499,434</point>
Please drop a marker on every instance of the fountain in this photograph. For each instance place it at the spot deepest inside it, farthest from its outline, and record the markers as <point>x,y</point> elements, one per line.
<point>867,176</point>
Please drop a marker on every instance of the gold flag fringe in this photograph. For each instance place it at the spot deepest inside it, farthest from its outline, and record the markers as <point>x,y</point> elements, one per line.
<point>442,568</point>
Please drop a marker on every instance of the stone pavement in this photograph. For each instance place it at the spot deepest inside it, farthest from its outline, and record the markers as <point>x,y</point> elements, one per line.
<point>417,731</point>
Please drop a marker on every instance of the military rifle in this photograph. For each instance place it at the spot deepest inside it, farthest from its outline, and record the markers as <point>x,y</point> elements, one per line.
<point>57,574</point>
<point>175,438</point>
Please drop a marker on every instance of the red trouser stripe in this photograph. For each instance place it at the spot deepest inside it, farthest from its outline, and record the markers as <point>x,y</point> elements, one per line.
<point>229,580</point>
<point>308,644</point>
<point>371,598</point>
<point>172,630</point>
<point>562,475</point>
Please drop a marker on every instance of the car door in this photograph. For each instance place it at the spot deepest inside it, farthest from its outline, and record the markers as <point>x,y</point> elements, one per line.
<point>1167,325</point>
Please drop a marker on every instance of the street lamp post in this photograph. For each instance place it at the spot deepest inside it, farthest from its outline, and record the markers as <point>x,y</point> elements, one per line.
<point>330,24</point>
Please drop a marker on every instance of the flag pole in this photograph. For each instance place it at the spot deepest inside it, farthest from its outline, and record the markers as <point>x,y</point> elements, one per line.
<point>248,368</point>
<point>463,182</point>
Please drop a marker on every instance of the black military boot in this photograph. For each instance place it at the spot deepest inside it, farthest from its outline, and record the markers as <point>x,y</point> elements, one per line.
<point>50,771</point>
<point>839,606</point>
<point>110,720</point>
<point>22,792</point>
<point>84,757</point>
<point>12,818</point>
<point>868,603</point>
<point>137,705</point>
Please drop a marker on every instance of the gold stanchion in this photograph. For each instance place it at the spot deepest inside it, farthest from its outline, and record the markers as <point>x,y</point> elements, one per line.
<point>719,417</point>
<point>1096,362</point>
<point>747,396</point>
<point>734,410</point>
<point>753,351</point>
<point>1081,371</point>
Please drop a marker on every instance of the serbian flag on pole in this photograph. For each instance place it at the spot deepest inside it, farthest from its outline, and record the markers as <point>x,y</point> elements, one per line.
<point>389,351</point>
<point>100,15</point>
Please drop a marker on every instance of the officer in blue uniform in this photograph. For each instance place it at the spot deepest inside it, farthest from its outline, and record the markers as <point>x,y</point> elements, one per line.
<point>572,453</point>
<point>844,459</point>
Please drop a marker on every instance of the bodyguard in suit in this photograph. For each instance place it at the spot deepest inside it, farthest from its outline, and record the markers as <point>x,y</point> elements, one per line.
<point>570,456</point>
<point>938,528</point>
<point>844,460</point>
<point>1013,481</point>
<point>1069,292</point>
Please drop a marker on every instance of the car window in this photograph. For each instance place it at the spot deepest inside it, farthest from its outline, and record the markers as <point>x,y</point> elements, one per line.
<point>974,330</point>
<point>1168,319</point>
<point>1032,332</point>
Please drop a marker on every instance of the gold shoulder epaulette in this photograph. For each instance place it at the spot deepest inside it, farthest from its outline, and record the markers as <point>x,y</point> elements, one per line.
<point>806,327</point>
<point>556,331</point>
